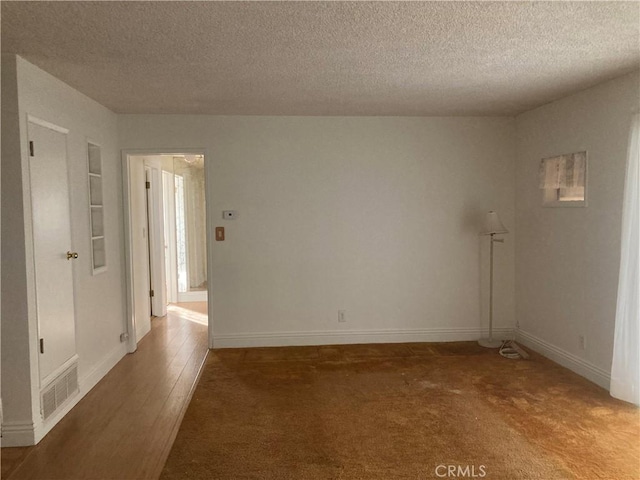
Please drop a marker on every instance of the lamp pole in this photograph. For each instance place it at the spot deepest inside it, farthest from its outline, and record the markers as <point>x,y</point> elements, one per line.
<point>490,342</point>
<point>492,226</point>
<point>501,240</point>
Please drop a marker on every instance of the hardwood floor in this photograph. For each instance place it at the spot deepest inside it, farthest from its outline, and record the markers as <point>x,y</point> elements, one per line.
<point>125,426</point>
<point>191,310</point>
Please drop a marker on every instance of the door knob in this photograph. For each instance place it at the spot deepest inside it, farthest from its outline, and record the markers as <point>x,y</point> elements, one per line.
<point>71,255</point>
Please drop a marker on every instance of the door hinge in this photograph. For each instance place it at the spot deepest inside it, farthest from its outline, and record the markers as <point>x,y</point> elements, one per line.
<point>42,345</point>
<point>151,293</point>
<point>147,185</point>
<point>31,150</point>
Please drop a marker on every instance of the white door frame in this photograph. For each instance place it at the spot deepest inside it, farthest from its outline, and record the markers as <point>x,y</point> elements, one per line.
<point>128,243</point>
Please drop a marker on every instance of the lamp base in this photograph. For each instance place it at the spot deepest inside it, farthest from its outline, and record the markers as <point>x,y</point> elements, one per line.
<point>490,343</point>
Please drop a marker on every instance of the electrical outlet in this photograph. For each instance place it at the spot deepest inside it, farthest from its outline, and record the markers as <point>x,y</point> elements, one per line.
<point>582,342</point>
<point>342,316</point>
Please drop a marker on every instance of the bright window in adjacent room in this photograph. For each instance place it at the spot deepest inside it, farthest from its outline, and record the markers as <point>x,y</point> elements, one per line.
<point>563,180</point>
<point>181,234</point>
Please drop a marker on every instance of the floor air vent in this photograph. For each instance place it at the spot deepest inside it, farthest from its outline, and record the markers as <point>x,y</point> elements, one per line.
<point>58,391</point>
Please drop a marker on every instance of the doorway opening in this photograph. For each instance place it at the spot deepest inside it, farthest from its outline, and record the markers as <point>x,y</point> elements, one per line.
<point>167,238</point>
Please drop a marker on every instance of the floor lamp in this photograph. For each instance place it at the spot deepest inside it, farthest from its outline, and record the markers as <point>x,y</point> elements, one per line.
<point>492,226</point>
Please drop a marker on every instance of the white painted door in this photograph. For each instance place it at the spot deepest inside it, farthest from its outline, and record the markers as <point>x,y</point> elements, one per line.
<point>51,242</point>
<point>139,247</point>
<point>149,213</point>
<point>153,168</point>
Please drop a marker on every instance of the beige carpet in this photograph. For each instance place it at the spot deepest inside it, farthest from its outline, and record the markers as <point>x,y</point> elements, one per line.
<point>400,411</point>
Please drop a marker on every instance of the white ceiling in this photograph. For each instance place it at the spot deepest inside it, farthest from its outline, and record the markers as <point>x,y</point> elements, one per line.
<point>326,58</point>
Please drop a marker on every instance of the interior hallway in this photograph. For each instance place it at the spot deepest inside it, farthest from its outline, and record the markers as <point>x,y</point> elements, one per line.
<point>125,426</point>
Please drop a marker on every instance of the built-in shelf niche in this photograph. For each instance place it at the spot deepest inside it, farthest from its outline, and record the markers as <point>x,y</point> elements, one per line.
<point>96,209</point>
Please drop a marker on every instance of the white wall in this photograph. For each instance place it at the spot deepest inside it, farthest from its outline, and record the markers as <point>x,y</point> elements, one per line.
<point>568,258</point>
<point>99,300</point>
<point>375,216</point>
<point>16,361</point>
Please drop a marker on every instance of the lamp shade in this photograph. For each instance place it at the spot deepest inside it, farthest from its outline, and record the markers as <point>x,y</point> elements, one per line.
<point>492,224</point>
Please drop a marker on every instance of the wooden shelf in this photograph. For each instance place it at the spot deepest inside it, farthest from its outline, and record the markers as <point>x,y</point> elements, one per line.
<point>96,212</point>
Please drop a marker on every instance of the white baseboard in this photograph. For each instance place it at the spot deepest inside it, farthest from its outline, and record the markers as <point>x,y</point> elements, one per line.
<point>197,296</point>
<point>98,372</point>
<point>142,330</point>
<point>343,337</point>
<point>15,434</point>
<point>576,364</point>
<point>25,434</point>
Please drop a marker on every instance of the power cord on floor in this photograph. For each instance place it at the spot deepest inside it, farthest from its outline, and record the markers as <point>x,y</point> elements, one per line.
<point>512,350</point>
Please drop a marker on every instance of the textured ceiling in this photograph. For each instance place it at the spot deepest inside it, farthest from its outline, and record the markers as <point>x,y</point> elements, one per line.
<point>326,58</point>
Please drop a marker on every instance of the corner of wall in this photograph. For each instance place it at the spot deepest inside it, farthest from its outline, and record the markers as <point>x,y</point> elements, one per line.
<point>567,259</point>
<point>16,362</point>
